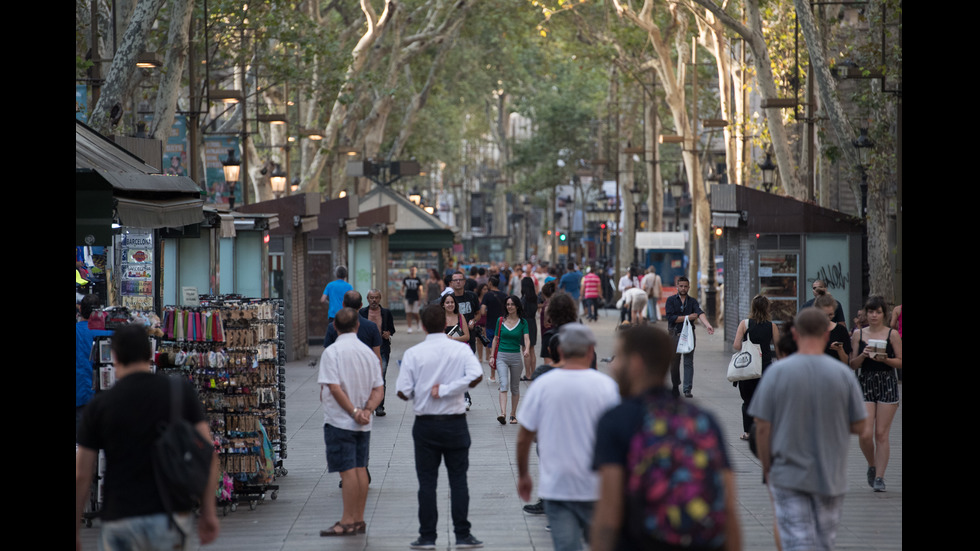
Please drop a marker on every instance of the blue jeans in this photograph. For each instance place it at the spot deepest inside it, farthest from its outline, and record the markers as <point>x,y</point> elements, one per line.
<point>149,532</point>
<point>590,308</point>
<point>569,521</point>
<point>675,366</point>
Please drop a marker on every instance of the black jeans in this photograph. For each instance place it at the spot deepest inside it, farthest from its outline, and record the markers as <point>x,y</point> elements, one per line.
<point>746,389</point>
<point>436,440</point>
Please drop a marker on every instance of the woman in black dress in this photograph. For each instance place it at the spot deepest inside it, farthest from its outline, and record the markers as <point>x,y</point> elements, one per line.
<point>529,303</point>
<point>763,332</point>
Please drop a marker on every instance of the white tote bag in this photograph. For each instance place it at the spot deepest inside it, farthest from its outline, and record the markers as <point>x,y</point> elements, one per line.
<point>685,342</point>
<point>747,363</point>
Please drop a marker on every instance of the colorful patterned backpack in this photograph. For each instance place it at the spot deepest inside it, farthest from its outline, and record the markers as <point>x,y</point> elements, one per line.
<point>675,493</point>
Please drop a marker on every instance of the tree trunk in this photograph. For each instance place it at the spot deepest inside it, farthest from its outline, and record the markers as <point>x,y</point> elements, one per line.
<point>170,82</point>
<point>359,57</point>
<point>123,70</point>
<point>752,34</point>
<point>829,99</point>
<point>655,197</point>
<point>627,239</point>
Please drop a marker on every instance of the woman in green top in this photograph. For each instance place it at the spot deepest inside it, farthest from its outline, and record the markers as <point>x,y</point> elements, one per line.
<point>511,337</point>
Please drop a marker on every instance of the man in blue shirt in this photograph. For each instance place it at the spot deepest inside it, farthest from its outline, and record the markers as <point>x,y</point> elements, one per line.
<point>333,293</point>
<point>83,353</point>
<point>571,283</point>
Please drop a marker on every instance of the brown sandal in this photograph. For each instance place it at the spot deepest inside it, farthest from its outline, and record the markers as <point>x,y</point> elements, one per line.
<point>345,530</point>
<point>360,527</point>
<point>513,420</point>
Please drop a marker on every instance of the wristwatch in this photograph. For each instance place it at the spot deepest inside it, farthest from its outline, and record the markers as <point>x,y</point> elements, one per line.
<point>354,413</point>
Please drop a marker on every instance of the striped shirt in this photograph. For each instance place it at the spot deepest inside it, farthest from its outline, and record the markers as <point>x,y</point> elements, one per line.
<point>590,286</point>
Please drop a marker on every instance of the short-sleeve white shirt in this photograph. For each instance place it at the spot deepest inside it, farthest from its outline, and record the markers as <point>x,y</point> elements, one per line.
<point>563,407</point>
<point>351,364</point>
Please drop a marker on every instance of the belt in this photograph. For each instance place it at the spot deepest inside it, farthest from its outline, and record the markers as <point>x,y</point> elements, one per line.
<point>441,417</point>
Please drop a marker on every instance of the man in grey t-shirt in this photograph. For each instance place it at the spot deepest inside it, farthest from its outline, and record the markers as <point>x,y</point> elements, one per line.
<point>805,408</point>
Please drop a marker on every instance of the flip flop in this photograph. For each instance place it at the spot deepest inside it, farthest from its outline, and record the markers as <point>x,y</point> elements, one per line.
<point>513,420</point>
<point>500,419</point>
<point>345,530</point>
<point>745,436</point>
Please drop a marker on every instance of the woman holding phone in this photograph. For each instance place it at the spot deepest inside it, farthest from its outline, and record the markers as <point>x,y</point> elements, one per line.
<point>877,354</point>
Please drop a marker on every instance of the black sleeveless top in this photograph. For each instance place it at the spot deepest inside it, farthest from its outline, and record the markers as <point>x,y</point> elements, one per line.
<point>761,334</point>
<point>875,365</point>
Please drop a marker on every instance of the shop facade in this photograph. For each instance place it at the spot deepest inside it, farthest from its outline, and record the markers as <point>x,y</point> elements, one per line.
<point>122,208</point>
<point>778,246</point>
<point>422,240</point>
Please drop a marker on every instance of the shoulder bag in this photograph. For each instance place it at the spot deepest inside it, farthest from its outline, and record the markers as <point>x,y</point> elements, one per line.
<point>746,364</point>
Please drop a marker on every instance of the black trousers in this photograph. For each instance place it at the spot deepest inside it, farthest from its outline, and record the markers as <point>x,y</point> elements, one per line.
<point>436,440</point>
<point>746,390</point>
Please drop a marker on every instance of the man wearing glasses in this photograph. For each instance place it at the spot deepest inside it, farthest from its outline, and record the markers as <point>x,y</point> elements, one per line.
<point>820,288</point>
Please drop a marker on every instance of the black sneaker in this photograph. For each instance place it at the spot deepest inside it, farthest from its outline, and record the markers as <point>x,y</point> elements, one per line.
<point>469,542</point>
<point>871,476</point>
<point>422,544</point>
<point>879,485</point>
<point>535,508</point>
<point>675,392</point>
<point>380,412</point>
<point>687,394</point>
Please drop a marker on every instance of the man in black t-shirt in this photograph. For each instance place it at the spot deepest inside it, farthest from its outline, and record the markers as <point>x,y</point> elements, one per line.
<point>493,305</point>
<point>410,289</point>
<point>124,422</point>
<point>469,305</point>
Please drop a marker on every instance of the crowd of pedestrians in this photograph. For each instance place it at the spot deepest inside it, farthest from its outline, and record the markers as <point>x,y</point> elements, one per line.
<point>625,462</point>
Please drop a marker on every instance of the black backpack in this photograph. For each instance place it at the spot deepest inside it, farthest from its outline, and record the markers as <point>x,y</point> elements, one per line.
<point>181,458</point>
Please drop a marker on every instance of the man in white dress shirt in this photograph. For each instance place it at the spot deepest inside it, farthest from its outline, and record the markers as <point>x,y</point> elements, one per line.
<point>350,388</point>
<point>435,374</point>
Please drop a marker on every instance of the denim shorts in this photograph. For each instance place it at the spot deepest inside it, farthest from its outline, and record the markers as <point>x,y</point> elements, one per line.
<point>151,532</point>
<point>346,449</point>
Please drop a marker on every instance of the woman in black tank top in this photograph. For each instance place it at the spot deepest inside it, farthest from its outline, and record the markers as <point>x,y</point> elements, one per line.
<point>763,332</point>
<point>879,383</point>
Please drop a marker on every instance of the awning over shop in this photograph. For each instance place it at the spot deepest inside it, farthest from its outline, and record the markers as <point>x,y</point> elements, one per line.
<point>420,240</point>
<point>107,178</point>
<point>167,213</point>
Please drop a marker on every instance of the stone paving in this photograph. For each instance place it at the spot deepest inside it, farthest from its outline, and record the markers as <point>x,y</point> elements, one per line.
<point>309,498</point>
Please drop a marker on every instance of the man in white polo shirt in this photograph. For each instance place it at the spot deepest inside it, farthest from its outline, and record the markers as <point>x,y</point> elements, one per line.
<point>562,409</point>
<point>350,388</point>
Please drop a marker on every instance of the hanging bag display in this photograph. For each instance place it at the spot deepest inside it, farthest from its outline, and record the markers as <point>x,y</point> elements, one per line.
<point>747,363</point>
<point>685,341</point>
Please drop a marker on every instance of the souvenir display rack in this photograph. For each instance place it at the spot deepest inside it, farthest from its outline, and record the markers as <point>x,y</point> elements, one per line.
<point>232,350</point>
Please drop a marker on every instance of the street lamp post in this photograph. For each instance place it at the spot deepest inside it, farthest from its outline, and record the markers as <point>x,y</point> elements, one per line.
<point>637,201</point>
<point>278,180</point>
<point>864,144</point>
<point>232,167</point>
<point>768,173</point>
<point>676,190</point>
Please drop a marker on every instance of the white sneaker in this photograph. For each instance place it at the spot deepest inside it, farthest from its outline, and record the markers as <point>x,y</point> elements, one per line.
<point>409,330</point>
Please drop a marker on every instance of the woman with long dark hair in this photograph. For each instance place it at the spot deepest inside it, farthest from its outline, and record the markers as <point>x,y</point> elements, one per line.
<point>456,326</point>
<point>763,332</point>
<point>508,358</point>
<point>480,325</point>
<point>529,306</point>
<point>877,354</point>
